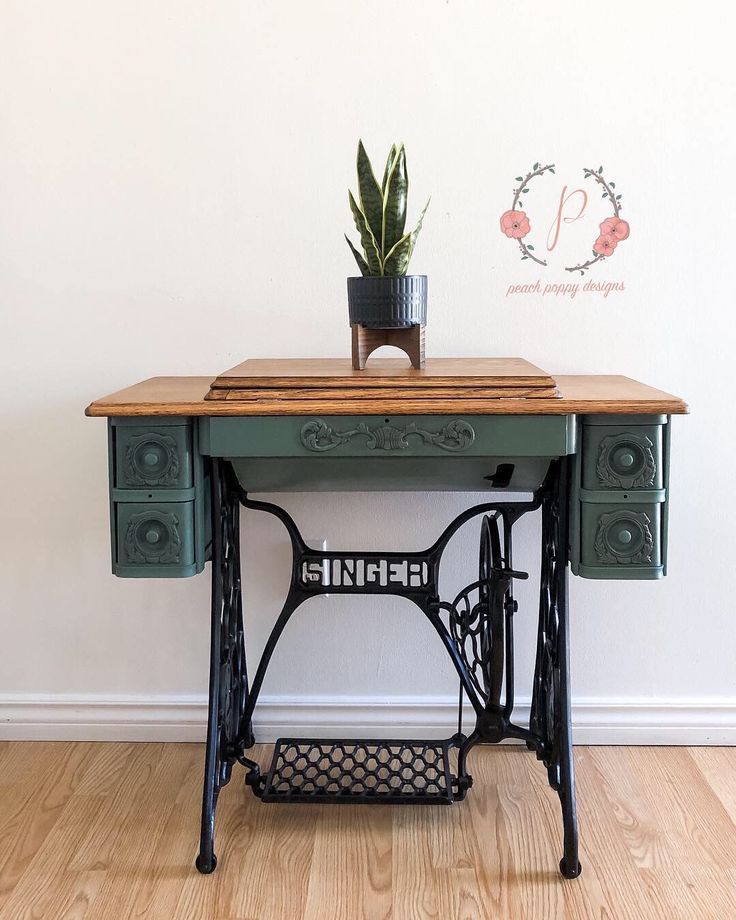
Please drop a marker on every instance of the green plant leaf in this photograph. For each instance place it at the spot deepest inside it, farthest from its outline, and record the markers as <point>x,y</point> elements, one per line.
<point>367,240</point>
<point>394,203</point>
<point>389,165</point>
<point>415,232</point>
<point>371,198</point>
<point>362,264</point>
<point>397,258</point>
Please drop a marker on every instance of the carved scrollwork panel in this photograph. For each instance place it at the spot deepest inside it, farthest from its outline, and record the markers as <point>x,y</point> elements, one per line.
<point>151,459</point>
<point>626,462</point>
<point>153,537</point>
<point>454,436</point>
<point>624,537</point>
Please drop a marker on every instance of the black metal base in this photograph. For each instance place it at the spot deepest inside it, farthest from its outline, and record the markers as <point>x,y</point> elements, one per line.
<point>476,629</point>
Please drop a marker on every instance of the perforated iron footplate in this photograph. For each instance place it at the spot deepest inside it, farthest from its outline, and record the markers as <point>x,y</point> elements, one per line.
<point>319,770</point>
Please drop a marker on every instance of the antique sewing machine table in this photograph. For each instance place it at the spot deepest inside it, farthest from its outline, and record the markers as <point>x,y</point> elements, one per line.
<point>591,453</point>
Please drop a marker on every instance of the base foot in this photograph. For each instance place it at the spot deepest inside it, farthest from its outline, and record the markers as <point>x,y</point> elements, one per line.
<point>570,872</point>
<point>206,865</point>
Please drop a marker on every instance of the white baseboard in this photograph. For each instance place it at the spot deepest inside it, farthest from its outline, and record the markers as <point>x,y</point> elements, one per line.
<point>85,717</point>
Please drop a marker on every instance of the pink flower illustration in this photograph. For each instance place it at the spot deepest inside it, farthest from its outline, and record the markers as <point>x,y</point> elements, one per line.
<point>515,224</point>
<point>615,227</point>
<point>605,244</point>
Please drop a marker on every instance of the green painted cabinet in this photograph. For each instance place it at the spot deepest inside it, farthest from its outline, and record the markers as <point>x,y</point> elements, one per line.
<point>159,488</point>
<point>619,511</point>
<point>159,503</point>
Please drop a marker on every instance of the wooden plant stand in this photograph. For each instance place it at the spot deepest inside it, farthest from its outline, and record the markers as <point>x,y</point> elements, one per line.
<point>409,339</point>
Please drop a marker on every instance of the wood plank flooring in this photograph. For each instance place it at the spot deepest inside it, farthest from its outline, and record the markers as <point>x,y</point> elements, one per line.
<point>90,831</point>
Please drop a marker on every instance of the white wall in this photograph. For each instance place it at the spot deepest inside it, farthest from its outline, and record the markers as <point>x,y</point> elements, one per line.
<point>173,184</point>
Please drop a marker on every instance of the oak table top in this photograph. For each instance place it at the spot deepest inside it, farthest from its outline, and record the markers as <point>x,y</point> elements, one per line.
<point>473,386</point>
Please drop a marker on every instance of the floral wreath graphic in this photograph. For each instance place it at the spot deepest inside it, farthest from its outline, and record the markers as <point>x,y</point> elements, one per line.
<point>613,230</point>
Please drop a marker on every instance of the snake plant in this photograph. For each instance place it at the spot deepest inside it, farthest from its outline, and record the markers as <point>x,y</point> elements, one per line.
<point>381,216</point>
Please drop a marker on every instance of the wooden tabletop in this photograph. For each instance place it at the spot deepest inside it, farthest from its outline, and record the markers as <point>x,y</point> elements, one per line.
<point>383,372</point>
<point>581,394</point>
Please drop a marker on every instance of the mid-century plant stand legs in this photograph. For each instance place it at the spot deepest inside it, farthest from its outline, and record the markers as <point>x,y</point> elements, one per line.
<point>476,628</point>
<point>410,339</point>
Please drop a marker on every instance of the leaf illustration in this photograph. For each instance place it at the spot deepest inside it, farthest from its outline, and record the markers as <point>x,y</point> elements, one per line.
<point>394,203</point>
<point>371,198</point>
<point>367,240</point>
<point>362,264</point>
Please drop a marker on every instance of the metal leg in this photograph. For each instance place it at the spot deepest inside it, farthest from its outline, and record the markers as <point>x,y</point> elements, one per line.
<point>569,864</point>
<point>550,720</point>
<point>478,637</point>
<point>228,685</point>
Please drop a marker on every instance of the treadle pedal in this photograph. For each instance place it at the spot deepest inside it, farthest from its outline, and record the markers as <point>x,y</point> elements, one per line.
<point>338,770</point>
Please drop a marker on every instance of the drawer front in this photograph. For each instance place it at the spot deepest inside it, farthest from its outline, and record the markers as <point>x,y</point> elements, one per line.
<point>622,536</point>
<point>153,456</point>
<point>155,534</point>
<point>622,457</point>
<point>389,436</point>
<point>159,514</point>
<point>619,502</point>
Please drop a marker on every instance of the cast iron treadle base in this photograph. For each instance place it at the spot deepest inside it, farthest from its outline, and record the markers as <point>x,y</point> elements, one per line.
<point>337,770</point>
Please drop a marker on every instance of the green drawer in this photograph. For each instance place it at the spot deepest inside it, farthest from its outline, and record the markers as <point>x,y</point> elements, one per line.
<point>621,539</point>
<point>155,538</point>
<point>159,498</point>
<point>398,436</point>
<point>619,507</point>
<point>154,455</point>
<point>622,456</point>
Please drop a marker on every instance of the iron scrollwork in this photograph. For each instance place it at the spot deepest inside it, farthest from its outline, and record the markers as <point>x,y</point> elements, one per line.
<point>227,736</point>
<point>455,436</point>
<point>550,720</point>
<point>475,629</point>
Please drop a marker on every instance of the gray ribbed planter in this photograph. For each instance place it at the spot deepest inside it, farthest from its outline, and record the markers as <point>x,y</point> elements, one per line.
<point>388,302</point>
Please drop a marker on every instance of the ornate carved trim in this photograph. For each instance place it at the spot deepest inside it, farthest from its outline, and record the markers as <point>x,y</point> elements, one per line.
<point>643,476</point>
<point>134,473</point>
<point>135,539</point>
<point>607,554</point>
<point>455,436</point>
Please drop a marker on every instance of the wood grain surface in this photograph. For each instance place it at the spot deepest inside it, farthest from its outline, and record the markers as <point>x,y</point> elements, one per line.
<point>109,832</point>
<point>578,394</point>
<point>340,373</point>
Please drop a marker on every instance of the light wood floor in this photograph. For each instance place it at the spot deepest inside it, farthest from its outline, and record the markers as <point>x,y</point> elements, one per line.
<point>110,831</point>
